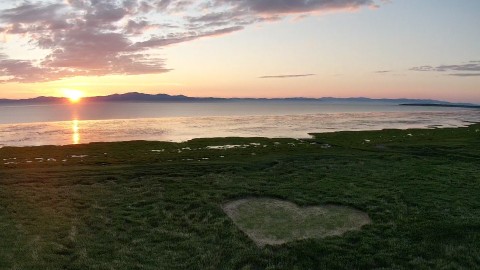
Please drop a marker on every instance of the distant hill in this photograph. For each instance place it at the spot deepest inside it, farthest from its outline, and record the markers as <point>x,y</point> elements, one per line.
<point>37,100</point>
<point>141,97</point>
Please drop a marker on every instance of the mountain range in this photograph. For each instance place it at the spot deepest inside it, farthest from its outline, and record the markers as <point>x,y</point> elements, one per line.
<point>142,97</point>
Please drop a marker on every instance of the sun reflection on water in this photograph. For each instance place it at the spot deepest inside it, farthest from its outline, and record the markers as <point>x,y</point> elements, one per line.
<point>76,132</point>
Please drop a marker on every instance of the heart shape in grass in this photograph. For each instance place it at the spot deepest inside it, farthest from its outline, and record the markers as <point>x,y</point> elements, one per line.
<point>273,222</point>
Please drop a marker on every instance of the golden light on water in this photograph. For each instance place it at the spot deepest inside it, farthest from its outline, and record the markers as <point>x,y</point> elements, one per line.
<point>73,95</point>
<point>76,132</point>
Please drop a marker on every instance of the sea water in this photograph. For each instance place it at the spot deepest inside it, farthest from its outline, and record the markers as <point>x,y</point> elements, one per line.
<point>63,124</point>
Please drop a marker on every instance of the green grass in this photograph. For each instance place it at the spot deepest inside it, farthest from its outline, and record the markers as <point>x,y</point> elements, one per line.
<point>126,207</point>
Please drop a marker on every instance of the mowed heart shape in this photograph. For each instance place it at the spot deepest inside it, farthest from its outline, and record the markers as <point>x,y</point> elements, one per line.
<point>273,222</point>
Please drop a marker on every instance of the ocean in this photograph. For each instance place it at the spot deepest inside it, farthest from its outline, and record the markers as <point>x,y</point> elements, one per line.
<point>62,124</point>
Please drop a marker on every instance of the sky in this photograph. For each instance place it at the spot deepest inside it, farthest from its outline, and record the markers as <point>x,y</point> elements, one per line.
<point>242,48</point>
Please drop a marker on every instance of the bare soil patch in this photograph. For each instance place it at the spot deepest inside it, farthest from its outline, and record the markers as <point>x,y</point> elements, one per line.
<point>274,222</point>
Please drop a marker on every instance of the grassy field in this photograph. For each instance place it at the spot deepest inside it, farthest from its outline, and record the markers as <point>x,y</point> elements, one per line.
<point>157,205</point>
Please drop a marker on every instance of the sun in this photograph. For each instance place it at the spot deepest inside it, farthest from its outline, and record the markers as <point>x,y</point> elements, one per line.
<point>73,95</point>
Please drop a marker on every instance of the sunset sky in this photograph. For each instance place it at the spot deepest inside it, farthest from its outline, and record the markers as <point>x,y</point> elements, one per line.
<point>242,48</point>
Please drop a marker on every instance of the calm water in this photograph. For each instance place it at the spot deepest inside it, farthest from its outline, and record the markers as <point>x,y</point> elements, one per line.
<point>84,123</point>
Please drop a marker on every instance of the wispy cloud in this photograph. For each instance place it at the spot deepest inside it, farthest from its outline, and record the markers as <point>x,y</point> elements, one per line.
<point>459,70</point>
<point>95,38</point>
<point>285,76</point>
<point>382,71</point>
<point>423,68</point>
<point>465,74</point>
<point>297,6</point>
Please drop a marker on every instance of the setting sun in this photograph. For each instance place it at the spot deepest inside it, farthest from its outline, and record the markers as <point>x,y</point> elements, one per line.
<point>73,95</point>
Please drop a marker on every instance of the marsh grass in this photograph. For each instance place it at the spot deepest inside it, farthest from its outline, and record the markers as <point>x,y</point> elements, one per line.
<point>125,207</point>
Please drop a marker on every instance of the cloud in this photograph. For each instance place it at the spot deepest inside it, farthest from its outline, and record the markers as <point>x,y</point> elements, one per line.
<point>465,74</point>
<point>465,67</point>
<point>297,6</point>
<point>96,38</point>
<point>25,71</point>
<point>382,71</point>
<point>470,66</point>
<point>173,39</point>
<point>31,13</point>
<point>286,76</point>
<point>461,70</point>
<point>423,68</point>
<point>138,27</point>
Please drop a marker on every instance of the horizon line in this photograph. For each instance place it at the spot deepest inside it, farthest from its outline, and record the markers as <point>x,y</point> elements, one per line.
<point>252,98</point>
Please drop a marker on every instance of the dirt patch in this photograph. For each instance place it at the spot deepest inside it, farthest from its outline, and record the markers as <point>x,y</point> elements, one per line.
<point>274,222</point>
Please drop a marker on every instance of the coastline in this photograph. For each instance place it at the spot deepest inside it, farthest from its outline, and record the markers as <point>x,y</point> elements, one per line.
<point>181,129</point>
<point>363,139</point>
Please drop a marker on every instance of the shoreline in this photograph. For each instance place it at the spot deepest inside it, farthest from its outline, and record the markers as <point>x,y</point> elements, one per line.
<point>181,129</point>
<point>311,136</point>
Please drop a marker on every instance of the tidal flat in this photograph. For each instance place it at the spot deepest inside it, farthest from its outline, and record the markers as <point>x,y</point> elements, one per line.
<point>158,205</point>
